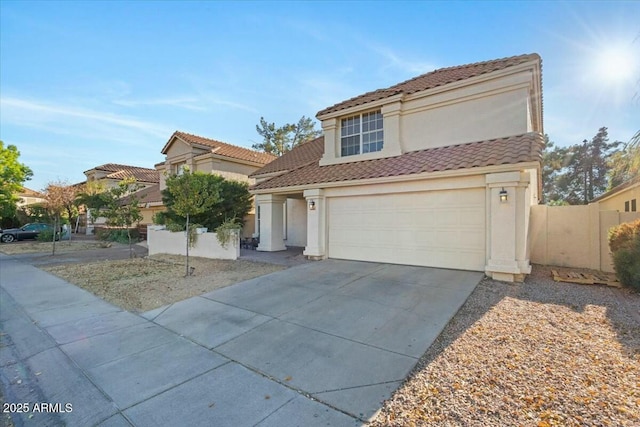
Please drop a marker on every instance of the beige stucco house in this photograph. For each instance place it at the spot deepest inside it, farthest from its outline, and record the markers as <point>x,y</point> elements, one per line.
<point>110,175</point>
<point>210,156</point>
<point>623,198</point>
<point>439,170</point>
<point>27,197</point>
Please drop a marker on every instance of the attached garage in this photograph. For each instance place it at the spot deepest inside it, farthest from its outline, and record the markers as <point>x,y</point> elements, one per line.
<point>431,228</point>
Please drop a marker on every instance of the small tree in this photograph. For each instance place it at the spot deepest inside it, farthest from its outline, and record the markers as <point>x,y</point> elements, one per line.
<point>59,197</point>
<point>234,201</point>
<point>191,194</point>
<point>92,196</point>
<point>12,175</point>
<point>122,206</point>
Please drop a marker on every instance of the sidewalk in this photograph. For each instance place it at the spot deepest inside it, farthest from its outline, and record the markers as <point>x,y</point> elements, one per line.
<point>317,344</point>
<point>94,364</point>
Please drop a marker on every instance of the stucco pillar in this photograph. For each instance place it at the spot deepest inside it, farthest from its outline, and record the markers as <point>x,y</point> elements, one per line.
<point>508,226</point>
<point>271,221</point>
<point>392,130</point>
<point>316,224</point>
<point>331,140</point>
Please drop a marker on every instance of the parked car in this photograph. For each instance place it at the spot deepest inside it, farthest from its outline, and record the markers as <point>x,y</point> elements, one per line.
<point>27,231</point>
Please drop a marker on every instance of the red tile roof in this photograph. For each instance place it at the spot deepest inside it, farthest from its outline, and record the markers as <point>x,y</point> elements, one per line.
<point>222,148</point>
<point>117,171</point>
<point>152,194</point>
<point>305,153</point>
<point>500,151</point>
<point>433,79</point>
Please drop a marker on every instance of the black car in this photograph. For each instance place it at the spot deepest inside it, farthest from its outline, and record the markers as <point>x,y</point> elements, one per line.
<point>27,231</point>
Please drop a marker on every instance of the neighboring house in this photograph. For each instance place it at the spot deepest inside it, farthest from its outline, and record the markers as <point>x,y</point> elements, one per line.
<point>111,174</point>
<point>184,150</point>
<point>623,198</point>
<point>29,197</point>
<point>439,170</point>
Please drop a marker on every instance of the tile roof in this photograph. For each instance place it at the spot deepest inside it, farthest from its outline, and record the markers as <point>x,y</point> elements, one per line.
<point>222,148</point>
<point>27,192</point>
<point>433,79</point>
<point>500,151</point>
<point>150,194</point>
<point>117,171</point>
<point>305,153</point>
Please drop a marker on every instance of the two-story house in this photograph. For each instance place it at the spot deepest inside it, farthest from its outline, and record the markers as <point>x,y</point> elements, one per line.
<point>184,150</point>
<point>439,170</point>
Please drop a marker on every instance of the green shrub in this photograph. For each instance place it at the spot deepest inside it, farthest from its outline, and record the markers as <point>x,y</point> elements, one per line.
<point>45,236</point>
<point>227,229</point>
<point>624,242</point>
<point>160,218</point>
<point>118,235</point>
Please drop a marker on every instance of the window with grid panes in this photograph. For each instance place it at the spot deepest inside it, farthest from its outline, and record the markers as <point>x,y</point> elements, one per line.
<point>361,134</point>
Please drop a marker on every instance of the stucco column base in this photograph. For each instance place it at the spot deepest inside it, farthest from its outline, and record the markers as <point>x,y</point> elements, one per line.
<point>315,249</point>
<point>507,277</point>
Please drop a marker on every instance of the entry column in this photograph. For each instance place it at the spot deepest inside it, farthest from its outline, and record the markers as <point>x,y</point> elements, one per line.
<point>271,220</point>
<point>508,204</point>
<point>316,215</point>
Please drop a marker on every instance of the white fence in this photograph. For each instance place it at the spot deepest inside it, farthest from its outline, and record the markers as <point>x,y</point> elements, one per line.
<point>207,245</point>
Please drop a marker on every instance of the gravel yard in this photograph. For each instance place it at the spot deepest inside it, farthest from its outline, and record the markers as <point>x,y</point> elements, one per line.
<point>46,247</point>
<point>535,354</point>
<point>142,284</point>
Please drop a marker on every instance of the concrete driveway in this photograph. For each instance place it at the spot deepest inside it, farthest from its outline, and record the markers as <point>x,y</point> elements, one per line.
<point>323,343</point>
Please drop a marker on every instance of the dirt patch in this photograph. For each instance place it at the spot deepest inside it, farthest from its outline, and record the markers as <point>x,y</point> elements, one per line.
<point>540,353</point>
<point>43,247</point>
<point>142,284</point>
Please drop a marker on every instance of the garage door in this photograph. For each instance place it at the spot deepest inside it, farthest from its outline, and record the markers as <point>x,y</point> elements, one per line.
<point>436,228</point>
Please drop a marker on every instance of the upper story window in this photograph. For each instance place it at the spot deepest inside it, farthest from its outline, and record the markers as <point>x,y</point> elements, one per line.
<point>179,168</point>
<point>361,133</point>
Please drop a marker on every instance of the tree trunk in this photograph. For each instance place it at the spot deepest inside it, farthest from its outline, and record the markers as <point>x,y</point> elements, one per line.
<point>55,231</point>
<point>129,236</point>
<point>188,242</point>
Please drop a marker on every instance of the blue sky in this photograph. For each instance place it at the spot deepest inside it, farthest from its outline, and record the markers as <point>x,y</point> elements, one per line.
<point>88,83</point>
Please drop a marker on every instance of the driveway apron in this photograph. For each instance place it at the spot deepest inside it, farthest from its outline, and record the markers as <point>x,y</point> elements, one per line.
<point>322,343</point>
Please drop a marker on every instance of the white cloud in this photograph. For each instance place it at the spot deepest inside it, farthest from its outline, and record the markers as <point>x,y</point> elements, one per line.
<point>394,60</point>
<point>60,118</point>
<point>188,103</point>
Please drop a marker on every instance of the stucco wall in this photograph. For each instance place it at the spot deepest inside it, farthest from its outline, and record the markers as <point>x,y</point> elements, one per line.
<point>226,169</point>
<point>574,236</point>
<point>476,119</point>
<point>296,222</point>
<point>207,246</point>
<point>148,213</point>
<point>249,228</point>
<point>178,149</point>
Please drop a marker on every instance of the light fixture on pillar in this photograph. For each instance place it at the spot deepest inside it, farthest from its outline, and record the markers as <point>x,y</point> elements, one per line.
<point>503,196</point>
<point>312,205</point>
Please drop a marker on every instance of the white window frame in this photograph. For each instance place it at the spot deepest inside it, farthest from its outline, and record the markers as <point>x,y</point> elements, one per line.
<point>180,168</point>
<point>354,127</point>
